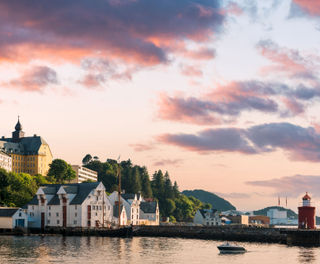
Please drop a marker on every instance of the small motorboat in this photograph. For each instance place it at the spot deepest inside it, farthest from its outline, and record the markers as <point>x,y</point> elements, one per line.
<point>231,248</point>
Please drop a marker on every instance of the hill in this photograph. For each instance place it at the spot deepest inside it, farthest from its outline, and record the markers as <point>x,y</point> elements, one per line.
<point>211,198</point>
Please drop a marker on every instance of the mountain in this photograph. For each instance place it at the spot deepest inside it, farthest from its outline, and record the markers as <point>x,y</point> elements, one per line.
<point>207,197</point>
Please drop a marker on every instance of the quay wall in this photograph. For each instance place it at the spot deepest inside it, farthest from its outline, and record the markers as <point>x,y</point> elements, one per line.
<point>230,233</point>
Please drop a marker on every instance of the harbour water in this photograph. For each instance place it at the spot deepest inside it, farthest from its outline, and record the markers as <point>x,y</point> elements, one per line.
<point>58,249</point>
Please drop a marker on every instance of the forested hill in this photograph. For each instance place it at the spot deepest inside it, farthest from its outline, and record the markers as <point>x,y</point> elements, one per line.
<point>290,213</point>
<point>211,198</point>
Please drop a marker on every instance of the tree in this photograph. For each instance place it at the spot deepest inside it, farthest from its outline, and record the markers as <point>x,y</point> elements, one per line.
<point>61,171</point>
<point>87,158</point>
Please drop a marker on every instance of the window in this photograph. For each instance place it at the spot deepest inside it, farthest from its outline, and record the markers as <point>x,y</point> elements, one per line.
<point>49,207</point>
<point>19,214</point>
<point>100,208</point>
<point>49,214</point>
<point>75,222</point>
<point>57,214</point>
<point>96,214</point>
<point>58,222</point>
<point>48,221</point>
<point>75,207</point>
<point>32,207</point>
<point>75,214</point>
<point>93,207</point>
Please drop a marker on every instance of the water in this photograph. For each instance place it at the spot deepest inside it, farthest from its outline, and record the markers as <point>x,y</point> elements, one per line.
<point>58,249</point>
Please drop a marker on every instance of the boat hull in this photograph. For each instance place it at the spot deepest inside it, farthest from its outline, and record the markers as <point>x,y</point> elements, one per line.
<point>231,250</point>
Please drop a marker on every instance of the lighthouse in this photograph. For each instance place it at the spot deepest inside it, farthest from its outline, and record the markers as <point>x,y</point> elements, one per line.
<point>307,213</point>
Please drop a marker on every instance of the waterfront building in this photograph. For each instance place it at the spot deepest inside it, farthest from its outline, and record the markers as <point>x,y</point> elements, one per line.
<point>238,219</point>
<point>149,213</point>
<point>307,213</point>
<point>259,220</point>
<point>123,215</point>
<point>131,203</point>
<point>5,161</point>
<point>70,205</point>
<point>11,218</point>
<point>29,154</point>
<point>84,174</point>
<point>208,217</point>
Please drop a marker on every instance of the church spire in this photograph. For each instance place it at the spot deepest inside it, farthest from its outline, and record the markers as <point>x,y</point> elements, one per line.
<point>18,126</point>
<point>18,133</point>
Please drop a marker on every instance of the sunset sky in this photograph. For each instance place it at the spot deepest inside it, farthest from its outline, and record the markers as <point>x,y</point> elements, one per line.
<point>222,94</point>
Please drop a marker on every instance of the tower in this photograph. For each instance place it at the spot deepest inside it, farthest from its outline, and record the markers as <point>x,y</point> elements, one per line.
<point>18,133</point>
<point>307,213</point>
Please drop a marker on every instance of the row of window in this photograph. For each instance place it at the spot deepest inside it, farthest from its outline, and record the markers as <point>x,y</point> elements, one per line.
<point>24,158</point>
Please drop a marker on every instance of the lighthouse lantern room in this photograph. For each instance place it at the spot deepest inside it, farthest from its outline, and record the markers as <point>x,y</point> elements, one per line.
<point>307,213</point>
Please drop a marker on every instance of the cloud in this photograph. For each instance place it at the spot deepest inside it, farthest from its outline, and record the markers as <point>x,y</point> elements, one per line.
<point>226,103</point>
<point>135,31</point>
<point>168,162</point>
<point>142,147</point>
<point>287,61</point>
<point>234,195</point>
<point>35,80</point>
<point>291,185</point>
<point>310,6</point>
<point>298,142</point>
<point>191,71</point>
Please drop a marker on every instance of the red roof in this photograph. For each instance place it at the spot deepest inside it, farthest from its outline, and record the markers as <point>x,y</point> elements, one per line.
<point>306,197</point>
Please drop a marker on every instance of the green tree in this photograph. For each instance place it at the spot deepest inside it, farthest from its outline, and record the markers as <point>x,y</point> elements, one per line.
<point>87,158</point>
<point>61,171</point>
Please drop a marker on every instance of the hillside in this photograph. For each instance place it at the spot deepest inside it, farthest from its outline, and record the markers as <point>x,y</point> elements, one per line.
<point>208,197</point>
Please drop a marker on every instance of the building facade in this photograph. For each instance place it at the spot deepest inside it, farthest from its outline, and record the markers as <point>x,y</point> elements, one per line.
<point>29,154</point>
<point>84,174</point>
<point>70,205</point>
<point>149,213</point>
<point>12,217</point>
<point>5,161</point>
<point>208,217</point>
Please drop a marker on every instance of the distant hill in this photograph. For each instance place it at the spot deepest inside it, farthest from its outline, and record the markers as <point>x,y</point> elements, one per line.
<point>290,213</point>
<point>207,197</point>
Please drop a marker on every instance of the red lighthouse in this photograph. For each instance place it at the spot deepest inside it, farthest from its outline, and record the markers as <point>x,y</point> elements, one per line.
<point>307,213</point>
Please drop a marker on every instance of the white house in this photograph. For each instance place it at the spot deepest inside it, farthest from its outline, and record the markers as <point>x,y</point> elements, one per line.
<point>70,205</point>
<point>279,217</point>
<point>123,214</point>
<point>149,213</point>
<point>209,217</point>
<point>12,217</point>
<point>131,202</point>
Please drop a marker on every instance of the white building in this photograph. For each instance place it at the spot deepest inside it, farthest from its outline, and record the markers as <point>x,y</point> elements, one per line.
<point>84,174</point>
<point>131,202</point>
<point>12,217</point>
<point>149,213</point>
<point>5,161</point>
<point>278,217</point>
<point>123,214</point>
<point>208,217</point>
<point>70,205</point>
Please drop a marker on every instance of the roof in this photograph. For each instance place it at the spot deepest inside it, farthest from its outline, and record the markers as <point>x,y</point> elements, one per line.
<point>116,210</point>
<point>148,207</point>
<point>81,191</point>
<point>26,145</point>
<point>205,211</point>
<point>7,211</point>
<point>128,196</point>
<point>54,201</point>
<point>306,197</point>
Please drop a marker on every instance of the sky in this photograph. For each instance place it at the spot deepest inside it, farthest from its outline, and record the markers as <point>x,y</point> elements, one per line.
<point>224,95</point>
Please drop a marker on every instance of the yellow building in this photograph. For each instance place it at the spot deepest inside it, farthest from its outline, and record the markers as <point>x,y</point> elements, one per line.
<point>29,154</point>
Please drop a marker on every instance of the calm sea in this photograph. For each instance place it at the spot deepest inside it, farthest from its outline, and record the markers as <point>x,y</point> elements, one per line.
<point>58,249</point>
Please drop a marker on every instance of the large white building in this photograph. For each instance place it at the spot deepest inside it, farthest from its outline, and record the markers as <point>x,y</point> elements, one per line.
<point>84,174</point>
<point>5,161</point>
<point>70,205</point>
<point>149,213</point>
<point>279,217</point>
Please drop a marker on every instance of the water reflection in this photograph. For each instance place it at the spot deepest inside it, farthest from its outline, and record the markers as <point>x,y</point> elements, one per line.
<point>59,249</point>
<point>307,255</point>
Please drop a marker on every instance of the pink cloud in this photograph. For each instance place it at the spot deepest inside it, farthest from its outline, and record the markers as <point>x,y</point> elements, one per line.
<point>168,162</point>
<point>311,6</point>
<point>35,80</point>
<point>191,71</point>
<point>139,147</point>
